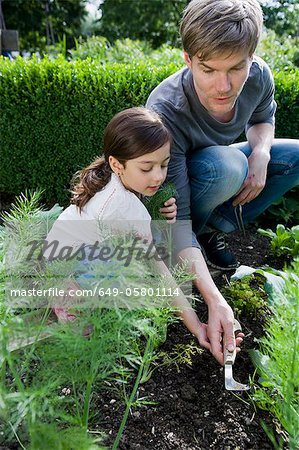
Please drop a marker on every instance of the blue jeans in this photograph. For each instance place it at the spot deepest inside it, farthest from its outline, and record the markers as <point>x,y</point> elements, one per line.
<point>216,174</point>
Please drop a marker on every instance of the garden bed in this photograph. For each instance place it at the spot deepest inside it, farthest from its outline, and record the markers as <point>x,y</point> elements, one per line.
<point>193,409</point>
<point>184,405</point>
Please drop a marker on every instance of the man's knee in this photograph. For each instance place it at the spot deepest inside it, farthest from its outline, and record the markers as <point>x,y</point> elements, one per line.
<point>284,157</point>
<point>235,165</point>
<point>224,166</point>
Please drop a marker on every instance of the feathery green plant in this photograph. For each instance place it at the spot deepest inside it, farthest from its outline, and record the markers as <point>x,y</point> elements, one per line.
<point>277,360</point>
<point>49,385</point>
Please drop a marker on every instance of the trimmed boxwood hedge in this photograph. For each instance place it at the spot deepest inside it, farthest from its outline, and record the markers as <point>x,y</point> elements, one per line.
<point>52,116</point>
<point>287,97</point>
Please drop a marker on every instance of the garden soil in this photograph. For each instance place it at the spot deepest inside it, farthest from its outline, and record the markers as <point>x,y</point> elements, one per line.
<point>192,410</point>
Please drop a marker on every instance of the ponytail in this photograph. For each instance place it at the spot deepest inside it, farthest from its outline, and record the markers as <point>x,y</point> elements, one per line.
<point>89,181</point>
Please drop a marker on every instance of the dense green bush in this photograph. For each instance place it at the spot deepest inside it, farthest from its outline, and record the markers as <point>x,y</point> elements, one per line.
<point>53,114</point>
<point>125,51</point>
<point>287,97</point>
<point>278,51</point>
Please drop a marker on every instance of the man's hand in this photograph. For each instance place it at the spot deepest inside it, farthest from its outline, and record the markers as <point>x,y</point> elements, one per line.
<point>220,330</point>
<point>256,179</point>
<point>260,138</point>
<point>169,210</point>
<point>202,336</point>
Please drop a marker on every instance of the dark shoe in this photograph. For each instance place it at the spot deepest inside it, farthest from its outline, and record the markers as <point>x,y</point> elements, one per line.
<point>215,251</point>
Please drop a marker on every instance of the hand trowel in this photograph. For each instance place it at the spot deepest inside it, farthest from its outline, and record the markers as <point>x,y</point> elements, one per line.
<point>229,359</point>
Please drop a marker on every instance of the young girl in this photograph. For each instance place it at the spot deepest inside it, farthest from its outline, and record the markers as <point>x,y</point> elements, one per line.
<point>136,153</point>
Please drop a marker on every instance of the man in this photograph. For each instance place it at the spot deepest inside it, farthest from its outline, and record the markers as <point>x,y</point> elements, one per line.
<point>224,91</point>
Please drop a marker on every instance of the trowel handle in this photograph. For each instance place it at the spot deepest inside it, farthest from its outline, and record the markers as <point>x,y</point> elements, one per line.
<point>237,326</point>
<point>229,357</point>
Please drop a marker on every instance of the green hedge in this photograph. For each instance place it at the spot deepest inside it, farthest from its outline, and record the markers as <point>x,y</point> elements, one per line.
<point>53,114</point>
<point>287,97</point>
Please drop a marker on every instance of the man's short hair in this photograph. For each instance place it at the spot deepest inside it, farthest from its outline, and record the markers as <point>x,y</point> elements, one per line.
<point>211,27</point>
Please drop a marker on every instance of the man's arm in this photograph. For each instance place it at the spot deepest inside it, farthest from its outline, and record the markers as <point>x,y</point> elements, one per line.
<point>260,135</point>
<point>220,321</point>
<point>260,138</point>
<point>219,331</point>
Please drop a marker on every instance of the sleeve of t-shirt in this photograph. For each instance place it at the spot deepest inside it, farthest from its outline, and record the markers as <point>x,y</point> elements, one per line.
<point>265,110</point>
<point>177,173</point>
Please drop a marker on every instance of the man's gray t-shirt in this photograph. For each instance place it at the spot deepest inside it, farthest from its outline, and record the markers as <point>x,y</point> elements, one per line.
<point>193,128</point>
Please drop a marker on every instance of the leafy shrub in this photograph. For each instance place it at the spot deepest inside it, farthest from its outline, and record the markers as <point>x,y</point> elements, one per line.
<point>99,48</point>
<point>285,241</point>
<point>53,114</point>
<point>287,98</point>
<point>277,51</point>
<point>125,51</point>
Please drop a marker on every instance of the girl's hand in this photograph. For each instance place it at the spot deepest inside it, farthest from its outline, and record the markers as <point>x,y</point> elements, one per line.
<point>169,210</point>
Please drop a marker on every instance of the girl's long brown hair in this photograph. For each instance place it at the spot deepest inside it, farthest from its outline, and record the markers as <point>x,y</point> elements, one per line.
<point>131,133</point>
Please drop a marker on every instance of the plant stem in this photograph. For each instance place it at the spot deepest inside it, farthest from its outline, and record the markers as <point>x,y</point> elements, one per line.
<point>15,374</point>
<point>16,435</point>
<point>3,372</point>
<point>132,396</point>
<point>87,403</point>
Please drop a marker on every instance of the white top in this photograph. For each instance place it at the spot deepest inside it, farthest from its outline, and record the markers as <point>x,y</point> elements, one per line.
<point>114,208</point>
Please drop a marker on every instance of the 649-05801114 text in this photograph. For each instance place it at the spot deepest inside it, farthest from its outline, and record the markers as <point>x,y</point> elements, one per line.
<point>140,292</point>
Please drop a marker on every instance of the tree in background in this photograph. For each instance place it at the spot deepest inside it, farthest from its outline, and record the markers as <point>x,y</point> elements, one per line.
<point>155,21</point>
<point>282,16</point>
<point>44,22</point>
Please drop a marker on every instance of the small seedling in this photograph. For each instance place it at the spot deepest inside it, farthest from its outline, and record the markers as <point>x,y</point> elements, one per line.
<point>246,295</point>
<point>284,241</point>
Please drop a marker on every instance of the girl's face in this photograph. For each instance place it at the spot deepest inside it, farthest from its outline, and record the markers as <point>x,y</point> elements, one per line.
<point>145,174</point>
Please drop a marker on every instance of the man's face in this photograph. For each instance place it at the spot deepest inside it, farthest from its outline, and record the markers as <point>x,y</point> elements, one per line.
<point>219,81</point>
